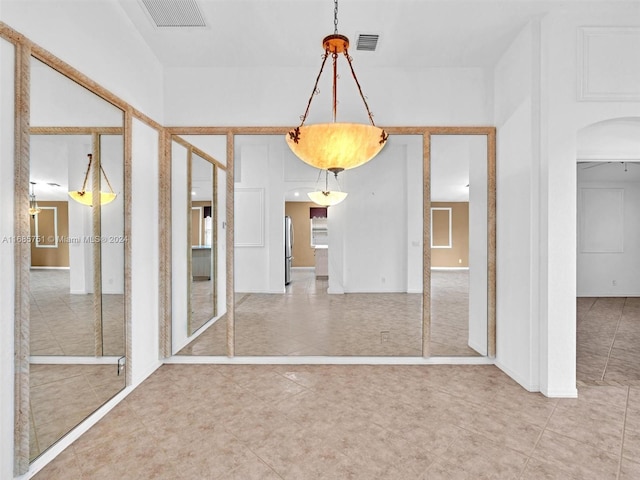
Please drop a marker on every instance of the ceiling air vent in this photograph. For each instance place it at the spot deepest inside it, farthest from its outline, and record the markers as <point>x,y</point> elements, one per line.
<point>174,13</point>
<point>367,42</point>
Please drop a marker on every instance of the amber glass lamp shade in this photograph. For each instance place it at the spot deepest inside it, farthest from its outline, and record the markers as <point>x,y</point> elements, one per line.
<point>336,146</point>
<point>327,199</point>
<point>86,198</point>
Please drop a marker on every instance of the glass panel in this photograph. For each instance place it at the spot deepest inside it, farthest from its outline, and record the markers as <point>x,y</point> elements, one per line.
<point>359,293</point>
<point>77,313</point>
<point>202,246</point>
<point>458,245</point>
<point>112,245</point>
<point>198,242</point>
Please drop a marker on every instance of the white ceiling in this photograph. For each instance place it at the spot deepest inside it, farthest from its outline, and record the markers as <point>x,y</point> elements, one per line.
<point>285,33</point>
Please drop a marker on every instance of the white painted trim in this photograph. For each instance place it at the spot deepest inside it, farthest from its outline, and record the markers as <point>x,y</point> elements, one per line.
<point>55,228</point>
<point>478,348</point>
<point>200,217</point>
<point>449,268</point>
<point>259,208</point>
<point>571,393</point>
<point>72,360</point>
<point>315,360</point>
<point>450,244</point>
<point>583,91</point>
<point>48,268</point>
<point>528,386</point>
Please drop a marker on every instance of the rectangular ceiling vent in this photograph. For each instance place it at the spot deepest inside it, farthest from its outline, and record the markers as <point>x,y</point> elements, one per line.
<point>367,42</point>
<point>174,13</point>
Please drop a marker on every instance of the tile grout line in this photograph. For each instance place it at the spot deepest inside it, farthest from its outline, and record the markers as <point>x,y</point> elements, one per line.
<point>544,428</point>
<point>613,340</point>
<point>624,429</point>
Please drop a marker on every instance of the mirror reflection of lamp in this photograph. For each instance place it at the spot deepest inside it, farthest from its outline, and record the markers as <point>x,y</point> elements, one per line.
<point>86,198</point>
<point>326,197</point>
<point>34,209</point>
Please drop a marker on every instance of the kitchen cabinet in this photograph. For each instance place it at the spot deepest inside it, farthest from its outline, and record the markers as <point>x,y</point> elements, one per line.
<point>201,263</point>
<point>322,262</point>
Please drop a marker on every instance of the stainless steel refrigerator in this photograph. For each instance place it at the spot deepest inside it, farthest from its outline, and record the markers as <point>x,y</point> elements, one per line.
<point>288,249</point>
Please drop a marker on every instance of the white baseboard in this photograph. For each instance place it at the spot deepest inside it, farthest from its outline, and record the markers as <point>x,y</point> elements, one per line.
<point>314,360</point>
<point>449,268</point>
<point>73,360</point>
<point>48,268</point>
<point>524,383</point>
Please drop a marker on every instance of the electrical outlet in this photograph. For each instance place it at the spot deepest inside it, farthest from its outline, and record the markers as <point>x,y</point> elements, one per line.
<point>384,336</point>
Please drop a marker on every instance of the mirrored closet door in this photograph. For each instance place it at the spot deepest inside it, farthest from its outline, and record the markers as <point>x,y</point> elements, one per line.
<point>198,220</point>
<point>77,264</point>
<point>459,250</point>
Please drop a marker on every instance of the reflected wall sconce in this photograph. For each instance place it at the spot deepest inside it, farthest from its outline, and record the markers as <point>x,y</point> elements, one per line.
<point>325,197</point>
<point>34,209</point>
<point>336,146</point>
<point>86,198</point>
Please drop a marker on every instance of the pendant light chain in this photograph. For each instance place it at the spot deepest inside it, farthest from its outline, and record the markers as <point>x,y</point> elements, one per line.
<point>335,17</point>
<point>86,175</point>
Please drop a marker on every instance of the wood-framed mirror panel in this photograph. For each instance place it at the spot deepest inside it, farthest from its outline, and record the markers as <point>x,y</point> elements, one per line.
<point>423,132</point>
<point>198,188</point>
<point>77,273</point>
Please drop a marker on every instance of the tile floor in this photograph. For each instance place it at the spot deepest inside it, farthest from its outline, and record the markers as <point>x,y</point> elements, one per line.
<point>62,324</point>
<point>608,342</point>
<point>308,321</point>
<point>62,396</point>
<point>355,422</point>
<point>423,422</point>
<point>202,303</point>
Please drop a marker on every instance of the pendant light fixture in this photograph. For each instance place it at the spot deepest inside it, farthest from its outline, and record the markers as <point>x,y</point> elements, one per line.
<point>86,198</point>
<point>34,209</point>
<point>336,146</point>
<point>325,197</point>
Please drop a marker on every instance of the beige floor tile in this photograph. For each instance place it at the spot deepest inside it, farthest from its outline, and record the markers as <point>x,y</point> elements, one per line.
<point>479,457</point>
<point>576,459</point>
<point>629,470</point>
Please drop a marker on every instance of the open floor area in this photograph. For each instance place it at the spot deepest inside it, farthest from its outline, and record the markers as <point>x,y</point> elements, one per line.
<point>355,422</point>
<point>308,321</point>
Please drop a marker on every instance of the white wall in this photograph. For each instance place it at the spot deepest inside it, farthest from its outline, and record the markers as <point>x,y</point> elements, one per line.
<point>7,287</point>
<point>112,215</point>
<point>221,258</point>
<point>375,219</point>
<point>435,96</point>
<point>516,103</point>
<point>57,101</point>
<point>564,113</point>
<point>597,271</point>
<point>179,247</point>
<point>84,38</point>
<point>259,214</point>
<point>539,111</point>
<point>145,266</point>
<point>478,213</point>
